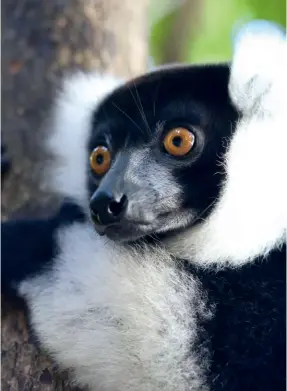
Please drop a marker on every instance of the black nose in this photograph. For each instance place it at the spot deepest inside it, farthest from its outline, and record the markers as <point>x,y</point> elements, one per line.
<point>105,209</point>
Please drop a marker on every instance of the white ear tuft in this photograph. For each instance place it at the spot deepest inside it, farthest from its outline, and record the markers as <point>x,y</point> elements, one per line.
<point>258,61</point>
<point>69,131</point>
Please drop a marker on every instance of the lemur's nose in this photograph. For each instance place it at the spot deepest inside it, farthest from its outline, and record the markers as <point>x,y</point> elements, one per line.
<point>105,209</point>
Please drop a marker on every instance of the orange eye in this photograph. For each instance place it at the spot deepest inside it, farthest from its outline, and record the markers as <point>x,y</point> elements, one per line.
<point>100,160</point>
<point>179,141</point>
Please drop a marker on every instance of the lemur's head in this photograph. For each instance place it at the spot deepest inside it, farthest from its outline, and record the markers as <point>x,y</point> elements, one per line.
<point>153,150</point>
<point>145,157</point>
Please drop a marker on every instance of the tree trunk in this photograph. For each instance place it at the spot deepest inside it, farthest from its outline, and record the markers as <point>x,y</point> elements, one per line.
<point>41,40</point>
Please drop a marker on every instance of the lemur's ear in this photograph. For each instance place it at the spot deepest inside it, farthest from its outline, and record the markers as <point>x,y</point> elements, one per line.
<point>257,64</point>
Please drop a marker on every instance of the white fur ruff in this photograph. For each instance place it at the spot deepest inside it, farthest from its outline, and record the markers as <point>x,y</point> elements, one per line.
<point>119,320</point>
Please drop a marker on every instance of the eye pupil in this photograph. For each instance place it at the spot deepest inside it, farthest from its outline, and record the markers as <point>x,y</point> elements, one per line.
<point>177,141</point>
<point>100,159</point>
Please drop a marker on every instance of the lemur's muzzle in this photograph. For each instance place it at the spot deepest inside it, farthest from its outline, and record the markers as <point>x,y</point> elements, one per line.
<point>106,209</point>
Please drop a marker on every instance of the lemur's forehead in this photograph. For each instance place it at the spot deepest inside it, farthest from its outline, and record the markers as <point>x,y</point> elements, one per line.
<point>135,110</point>
<point>200,83</point>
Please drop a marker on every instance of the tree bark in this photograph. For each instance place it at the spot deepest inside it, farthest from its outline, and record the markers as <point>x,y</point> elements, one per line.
<point>41,40</point>
<point>187,20</point>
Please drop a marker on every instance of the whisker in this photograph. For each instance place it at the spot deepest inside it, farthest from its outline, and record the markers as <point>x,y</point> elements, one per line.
<point>143,113</point>
<point>136,103</point>
<point>154,238</point>
<point>140,109</point>
<point>122,111</point>
<point>199,217</point>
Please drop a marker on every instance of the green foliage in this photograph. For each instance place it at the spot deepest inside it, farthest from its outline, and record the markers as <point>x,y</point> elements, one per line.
<point>159,36</point>
<point>212,41</point>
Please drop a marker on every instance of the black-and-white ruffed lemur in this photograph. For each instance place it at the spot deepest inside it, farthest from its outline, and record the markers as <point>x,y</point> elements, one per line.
<point>164,269</point>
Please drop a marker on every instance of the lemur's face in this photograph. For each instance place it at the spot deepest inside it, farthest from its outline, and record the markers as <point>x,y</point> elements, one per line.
<point>154,151</point>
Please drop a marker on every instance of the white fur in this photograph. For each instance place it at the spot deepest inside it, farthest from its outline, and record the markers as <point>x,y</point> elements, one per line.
<point>250,216</point>
<point>118,319</point>
<point>258,72</point>
<point>70,128</point>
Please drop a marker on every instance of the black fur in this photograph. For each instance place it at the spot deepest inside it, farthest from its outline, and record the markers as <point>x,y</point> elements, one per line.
<point>246,339</point>
<point>29,246</point>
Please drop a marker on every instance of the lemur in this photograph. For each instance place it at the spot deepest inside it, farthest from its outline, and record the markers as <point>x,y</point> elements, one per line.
<point>164,268</point>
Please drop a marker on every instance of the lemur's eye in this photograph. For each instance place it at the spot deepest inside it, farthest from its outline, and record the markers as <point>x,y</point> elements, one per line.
<point>100,160</point>
<point>178,141</point>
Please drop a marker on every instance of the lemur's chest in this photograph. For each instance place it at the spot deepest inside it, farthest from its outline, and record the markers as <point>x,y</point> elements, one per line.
<point>119,321</point>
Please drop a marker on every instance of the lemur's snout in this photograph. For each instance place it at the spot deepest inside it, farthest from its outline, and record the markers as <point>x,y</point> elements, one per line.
<point>105,209</point>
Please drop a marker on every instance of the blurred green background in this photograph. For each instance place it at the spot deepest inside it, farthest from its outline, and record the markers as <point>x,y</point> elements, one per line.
<point>200,30</point>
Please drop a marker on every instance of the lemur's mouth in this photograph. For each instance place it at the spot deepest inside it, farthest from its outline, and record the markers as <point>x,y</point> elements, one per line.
<point>125,232</point>
<point>129,231</point>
